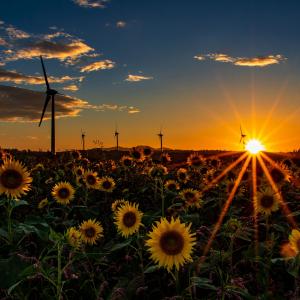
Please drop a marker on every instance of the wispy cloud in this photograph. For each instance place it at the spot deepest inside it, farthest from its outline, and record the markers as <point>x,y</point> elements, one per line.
<point>137,78</point>
<point>23,105</point>
<point>257,61</point>
<point>19,78</point>
<point>121,24</point>
<point>91,3</point>
<point>71,87</point>
<point>98,65</point>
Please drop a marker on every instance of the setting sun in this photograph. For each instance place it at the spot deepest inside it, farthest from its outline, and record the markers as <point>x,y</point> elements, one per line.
<point>254,146</point>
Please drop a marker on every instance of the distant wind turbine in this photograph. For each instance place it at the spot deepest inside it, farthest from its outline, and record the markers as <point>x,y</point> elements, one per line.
<point>243,136</point>
<point>83,139</point>
<point>50,95</point>
<point>117,137</point>
<point>160,136</point>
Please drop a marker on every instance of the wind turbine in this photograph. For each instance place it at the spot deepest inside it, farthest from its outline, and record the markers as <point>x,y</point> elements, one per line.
<point>117,137</point>
<point>160,136</point>
<point>83,139</point>
<point>50,95</point>
<point>243,136</point>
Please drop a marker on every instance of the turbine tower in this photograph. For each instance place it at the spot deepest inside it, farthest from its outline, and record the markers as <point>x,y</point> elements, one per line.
<point>160,136</point>
<point>50,95</point>
<point>83,140</point>
<point>117,137</point>
<point>243,136</point>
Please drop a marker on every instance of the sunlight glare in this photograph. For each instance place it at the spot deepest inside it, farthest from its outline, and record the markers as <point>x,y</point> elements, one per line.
<point>254,146</point>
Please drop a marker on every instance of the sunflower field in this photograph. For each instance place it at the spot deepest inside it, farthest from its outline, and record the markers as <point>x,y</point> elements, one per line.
<point>146,225</point>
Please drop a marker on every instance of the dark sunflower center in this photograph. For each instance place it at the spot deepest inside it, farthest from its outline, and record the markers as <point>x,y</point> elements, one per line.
<point>106,184</point>
<point>147,151</point>
<point>127,162</point>
<point>91,179</point>
<point>11,179</point>
<point>129,219</point>
<point>182,176</point>
<point>90,232</point>
<point>277,175</point>
<point>136,154</point>
<point>267,201</point>
<point>189,195</point>
<point>63,193</point>
<point>171,242</point>
<point>172,186</point>
<point>79,172</point>
<point>196,161</point>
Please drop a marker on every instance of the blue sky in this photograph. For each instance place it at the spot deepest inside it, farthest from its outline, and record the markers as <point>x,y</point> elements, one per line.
<point>159,40</point>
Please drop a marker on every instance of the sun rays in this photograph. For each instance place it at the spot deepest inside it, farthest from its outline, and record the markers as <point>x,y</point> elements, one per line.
<point>256,155</point>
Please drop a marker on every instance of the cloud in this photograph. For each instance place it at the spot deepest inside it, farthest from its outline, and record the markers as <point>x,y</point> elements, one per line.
<point>71,87</point>
<point>20,45</point>
<point>19,78</point>
<point>91,3</point>
<point>49,49</point>
<point>258,61</point>
<point>121,24</point>
<point>136,78</point>
<point>98,65</point>
<point>14,33</point>
<point>23,105</point>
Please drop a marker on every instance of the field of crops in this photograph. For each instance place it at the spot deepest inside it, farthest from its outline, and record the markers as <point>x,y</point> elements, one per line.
<point>201,227</point>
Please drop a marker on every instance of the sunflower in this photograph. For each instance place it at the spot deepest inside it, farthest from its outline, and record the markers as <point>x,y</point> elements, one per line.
<point>126,161</point>
<point>191,198</point>
<point>128,219</point>
<point>287,250</point>
<point>136,154</point>
<point>78,171</point>
<point>76,155</point>
<point>171,243</point>
<point>280,173</point>
<point>158,171</point>
<point>63,193</point>
<point>147,151</point>
<point>91,179</point>
<point>74,237</point>
<point>195,160</point>
<point>267,201</point>
<point>117,203</point>
<point>182,175</point>
<point>43,203</point>
<point>15,180</point>
<point>171,185</point>
<point>165,158</point>
<point>91,231</point>
<point>107,184</point>
<point>294,240</point>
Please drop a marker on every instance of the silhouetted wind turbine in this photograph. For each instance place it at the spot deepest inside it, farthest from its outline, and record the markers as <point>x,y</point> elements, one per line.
<point>50,95</point>
<point>83,139</point>
<point>117,137</point>
<point>160,136</point>
<point>243,136</point>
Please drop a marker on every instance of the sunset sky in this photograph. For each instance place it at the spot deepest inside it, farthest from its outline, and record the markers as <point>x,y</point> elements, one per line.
<point>198,69</point>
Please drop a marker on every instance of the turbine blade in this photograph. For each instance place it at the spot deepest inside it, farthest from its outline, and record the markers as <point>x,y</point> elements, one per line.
<point>44,109</point>
<point>45,75</point>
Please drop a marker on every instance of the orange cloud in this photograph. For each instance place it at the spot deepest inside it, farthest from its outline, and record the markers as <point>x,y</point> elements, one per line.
<point>19,78</point>
<point>258,61</point>
<point>137,78</point>
<point>98,65</point>
<point>23,105</point>
<point>71,87</point>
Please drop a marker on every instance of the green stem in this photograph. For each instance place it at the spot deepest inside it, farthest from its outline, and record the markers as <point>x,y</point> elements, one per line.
<point>162,199</point>
<point>59,271</point>
<point>140,254</point>
<point>9,209</point>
